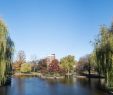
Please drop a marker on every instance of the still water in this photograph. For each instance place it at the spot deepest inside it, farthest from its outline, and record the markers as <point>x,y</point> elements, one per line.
<point>37,86</point>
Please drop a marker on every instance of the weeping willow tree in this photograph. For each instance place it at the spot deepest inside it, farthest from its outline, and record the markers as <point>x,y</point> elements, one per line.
<point>6,52</point>
<point>104,54</point>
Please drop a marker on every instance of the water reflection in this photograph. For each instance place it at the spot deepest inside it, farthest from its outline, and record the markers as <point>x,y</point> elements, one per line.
<point>67,86</point>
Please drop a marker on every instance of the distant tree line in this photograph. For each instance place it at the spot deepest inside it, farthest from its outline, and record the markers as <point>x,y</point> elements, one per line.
<point>62,67</point>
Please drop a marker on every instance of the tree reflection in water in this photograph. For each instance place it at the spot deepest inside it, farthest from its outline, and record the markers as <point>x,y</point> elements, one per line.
<point>37,86</point>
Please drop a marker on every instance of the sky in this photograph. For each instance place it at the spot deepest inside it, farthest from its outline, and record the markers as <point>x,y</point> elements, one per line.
<point>63,27</point>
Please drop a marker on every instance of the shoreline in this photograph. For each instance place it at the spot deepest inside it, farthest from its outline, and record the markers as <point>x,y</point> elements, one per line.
<point>38,75</point>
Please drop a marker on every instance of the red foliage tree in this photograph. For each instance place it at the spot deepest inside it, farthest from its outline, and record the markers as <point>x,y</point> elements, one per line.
<point>54,66</point>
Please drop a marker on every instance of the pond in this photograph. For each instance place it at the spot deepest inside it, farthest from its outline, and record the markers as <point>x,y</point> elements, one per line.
<point>37,86</point>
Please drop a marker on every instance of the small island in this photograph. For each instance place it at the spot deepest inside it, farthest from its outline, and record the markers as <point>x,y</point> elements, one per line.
<point>46,68</point>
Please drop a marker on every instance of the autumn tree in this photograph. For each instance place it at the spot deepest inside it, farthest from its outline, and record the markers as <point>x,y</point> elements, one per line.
<point>42,65</point>
<point>54,66</point>
<point>25,68</point>
<point>21,59</point>
<point>68,63</point>
<point>86,64</point>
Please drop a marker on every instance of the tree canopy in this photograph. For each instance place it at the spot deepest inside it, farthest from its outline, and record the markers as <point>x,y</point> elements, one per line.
<point>68,63</point>
<point>6,53</point>
<point>25,68</point>
<point>103,49</point>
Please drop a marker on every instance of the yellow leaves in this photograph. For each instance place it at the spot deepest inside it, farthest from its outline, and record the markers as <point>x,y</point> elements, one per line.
<point>25,68</point>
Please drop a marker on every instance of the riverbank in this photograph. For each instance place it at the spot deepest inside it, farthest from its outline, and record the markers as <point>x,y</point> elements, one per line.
<point>53,76</point>
<point>39,75</point>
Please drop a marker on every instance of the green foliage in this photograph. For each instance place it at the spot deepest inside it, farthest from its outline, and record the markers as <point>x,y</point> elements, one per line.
<point>68,63</point>
<point>6,52</point>
<point>25,68</point>
<point>103,49</point>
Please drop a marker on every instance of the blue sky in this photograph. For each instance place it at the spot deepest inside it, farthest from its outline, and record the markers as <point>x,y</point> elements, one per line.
<point>42,27</point>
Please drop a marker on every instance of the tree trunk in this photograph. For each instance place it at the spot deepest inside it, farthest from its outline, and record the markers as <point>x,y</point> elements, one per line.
<point>107,81</point>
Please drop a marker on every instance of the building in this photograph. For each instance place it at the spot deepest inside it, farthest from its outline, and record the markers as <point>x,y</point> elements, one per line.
<point>50,58</point>
<point>44,63</point>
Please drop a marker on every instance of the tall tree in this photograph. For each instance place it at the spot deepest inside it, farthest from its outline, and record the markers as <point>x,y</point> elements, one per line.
<point>54,66</point>
<point>21,59</point>
<point>6,52</point>
<point>103,48</point>
<point>85,63</point>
